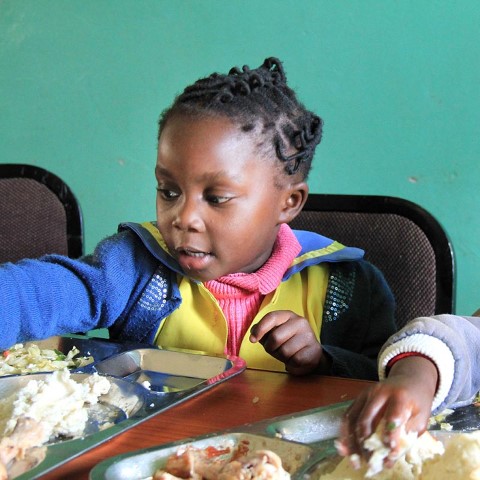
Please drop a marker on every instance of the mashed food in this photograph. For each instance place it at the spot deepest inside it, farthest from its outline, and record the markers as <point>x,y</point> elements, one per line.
<point>407,467</point>
<point>427,459</point>
<point>43,410</point>
<point>58,403</point>
<point>461,460</point>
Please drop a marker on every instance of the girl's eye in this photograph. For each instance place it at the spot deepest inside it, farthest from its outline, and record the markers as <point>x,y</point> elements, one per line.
<point>217,200</point>
<point>167,194</point>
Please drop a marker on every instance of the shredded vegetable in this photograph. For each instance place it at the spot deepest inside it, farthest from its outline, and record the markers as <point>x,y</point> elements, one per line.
<point>21,359</point>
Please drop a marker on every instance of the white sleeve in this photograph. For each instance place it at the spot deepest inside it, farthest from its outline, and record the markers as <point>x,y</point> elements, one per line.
<point>431,347</point>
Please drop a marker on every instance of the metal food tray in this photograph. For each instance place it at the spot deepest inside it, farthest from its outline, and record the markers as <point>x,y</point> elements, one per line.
<point>301,440</point>
<point>145,379</point>
<point>304,441</point>
<point>141,465</point>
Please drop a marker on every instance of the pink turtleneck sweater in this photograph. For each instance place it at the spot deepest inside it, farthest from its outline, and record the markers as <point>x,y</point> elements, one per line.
<point>240,294</point>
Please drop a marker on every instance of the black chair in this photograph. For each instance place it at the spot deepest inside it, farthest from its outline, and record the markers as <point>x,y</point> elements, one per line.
<point>401,238</point>
<point>39,214</point>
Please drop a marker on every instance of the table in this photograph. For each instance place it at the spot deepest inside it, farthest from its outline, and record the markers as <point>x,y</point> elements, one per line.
<point>249,397</point>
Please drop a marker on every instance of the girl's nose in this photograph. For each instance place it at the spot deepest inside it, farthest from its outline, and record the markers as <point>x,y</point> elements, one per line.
<point>188,217</point>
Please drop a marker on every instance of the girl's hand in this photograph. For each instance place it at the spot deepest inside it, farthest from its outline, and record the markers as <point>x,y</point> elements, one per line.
<point>403,398</point>
<point>290,339</point>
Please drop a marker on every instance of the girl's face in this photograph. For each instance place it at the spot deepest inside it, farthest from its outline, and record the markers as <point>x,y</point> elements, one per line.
<point>219,203</point>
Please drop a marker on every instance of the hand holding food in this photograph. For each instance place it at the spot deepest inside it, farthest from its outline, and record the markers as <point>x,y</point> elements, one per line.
<point>401,403</point>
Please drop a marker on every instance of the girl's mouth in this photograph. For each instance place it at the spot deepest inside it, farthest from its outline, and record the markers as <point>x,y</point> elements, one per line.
<point>192,253</point>
<point>192,260</point>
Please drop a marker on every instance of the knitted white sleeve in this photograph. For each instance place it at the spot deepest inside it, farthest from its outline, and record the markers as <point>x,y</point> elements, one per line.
<point>431,347</point>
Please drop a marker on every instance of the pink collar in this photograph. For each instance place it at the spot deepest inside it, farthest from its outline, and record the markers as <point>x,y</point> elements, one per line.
<point>269,275</point>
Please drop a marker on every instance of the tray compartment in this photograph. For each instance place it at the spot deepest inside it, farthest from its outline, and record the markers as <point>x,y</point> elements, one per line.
<point>123,400</point>
<point>311,428</point>
<point>166,371</point>
<point>142,464</point>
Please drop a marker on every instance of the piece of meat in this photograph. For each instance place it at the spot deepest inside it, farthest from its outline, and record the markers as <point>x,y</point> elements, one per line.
<point>195,463</point>
<point>31,458</point>
<point>21,446</point>
<point>200,464</point>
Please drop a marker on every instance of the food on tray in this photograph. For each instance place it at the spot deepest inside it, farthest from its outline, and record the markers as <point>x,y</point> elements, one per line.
<point>461,459</point>
<point>413,452</point>
<point>21,359</point>
<point>213,464</point>
<point>43,410</point>
<point>427,459</point>
<point>19,451</point>
<point>380,451</point>
<point>439,419</point>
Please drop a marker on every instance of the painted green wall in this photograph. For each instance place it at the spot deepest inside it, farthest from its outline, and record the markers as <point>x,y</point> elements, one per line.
<point>82,84</point>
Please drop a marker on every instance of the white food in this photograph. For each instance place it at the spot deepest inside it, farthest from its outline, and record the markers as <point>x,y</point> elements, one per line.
<point>58,403</point>
<point>414,451</point>
<point>427,459</point>
<point>380,451</point>
<point>461,460</point>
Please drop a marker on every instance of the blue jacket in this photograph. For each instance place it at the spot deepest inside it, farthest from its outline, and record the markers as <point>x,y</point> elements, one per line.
<point>129,285</point>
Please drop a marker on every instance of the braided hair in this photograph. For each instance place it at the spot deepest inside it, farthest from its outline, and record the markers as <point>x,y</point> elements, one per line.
<point>262,103</point>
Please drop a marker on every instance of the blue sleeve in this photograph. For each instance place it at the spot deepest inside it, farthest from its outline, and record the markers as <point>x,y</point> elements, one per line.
<point>56,295</point>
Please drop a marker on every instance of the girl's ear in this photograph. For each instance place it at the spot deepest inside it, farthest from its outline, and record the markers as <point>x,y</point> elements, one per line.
<point>295,198</point>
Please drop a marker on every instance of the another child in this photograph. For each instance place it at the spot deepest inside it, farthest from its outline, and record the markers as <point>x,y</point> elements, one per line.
<point>220,271</point>
<point>429,365</point>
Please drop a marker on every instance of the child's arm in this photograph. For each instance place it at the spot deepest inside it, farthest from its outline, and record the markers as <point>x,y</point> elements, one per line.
<point>57,295</point>
<point>441,351</point>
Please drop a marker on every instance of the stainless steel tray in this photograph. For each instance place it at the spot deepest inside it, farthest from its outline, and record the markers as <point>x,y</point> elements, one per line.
<point>306,437</point>
<point>146,381</point>
<point>301,440</point>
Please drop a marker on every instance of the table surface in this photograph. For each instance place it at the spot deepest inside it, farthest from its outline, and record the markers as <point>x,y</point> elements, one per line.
<point>249,397</point>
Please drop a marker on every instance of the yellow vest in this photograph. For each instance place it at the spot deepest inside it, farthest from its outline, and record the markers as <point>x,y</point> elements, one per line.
<point>199,323</point>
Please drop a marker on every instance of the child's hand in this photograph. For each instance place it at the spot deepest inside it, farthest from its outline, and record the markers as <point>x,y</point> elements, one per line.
<point>290,339</point>
<point>404,398</point>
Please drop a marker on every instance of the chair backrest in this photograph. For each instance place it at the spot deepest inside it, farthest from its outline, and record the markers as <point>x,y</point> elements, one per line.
<point>39,214</point>
<point>401,238</point>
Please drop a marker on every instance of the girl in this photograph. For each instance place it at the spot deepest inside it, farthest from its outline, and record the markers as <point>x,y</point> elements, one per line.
<point>220,270</point>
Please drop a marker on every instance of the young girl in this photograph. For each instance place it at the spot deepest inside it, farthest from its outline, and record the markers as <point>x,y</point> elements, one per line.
<point>220,270</point>
<point>429,365</point>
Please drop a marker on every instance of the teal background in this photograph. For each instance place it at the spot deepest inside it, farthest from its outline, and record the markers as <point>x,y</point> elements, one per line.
<point>82,84</point>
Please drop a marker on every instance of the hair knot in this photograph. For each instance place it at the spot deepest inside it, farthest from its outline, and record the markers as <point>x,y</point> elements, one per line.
<point>259,101</point>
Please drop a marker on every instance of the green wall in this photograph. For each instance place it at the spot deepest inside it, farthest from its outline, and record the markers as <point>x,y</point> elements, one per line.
<point>82,84</point>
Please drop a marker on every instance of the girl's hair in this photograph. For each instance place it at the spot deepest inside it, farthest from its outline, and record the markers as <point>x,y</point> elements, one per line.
<point>262,103</point>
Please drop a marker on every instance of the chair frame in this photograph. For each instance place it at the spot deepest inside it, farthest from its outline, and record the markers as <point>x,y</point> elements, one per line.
<point>74,219</point>
<point>441,244</point>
